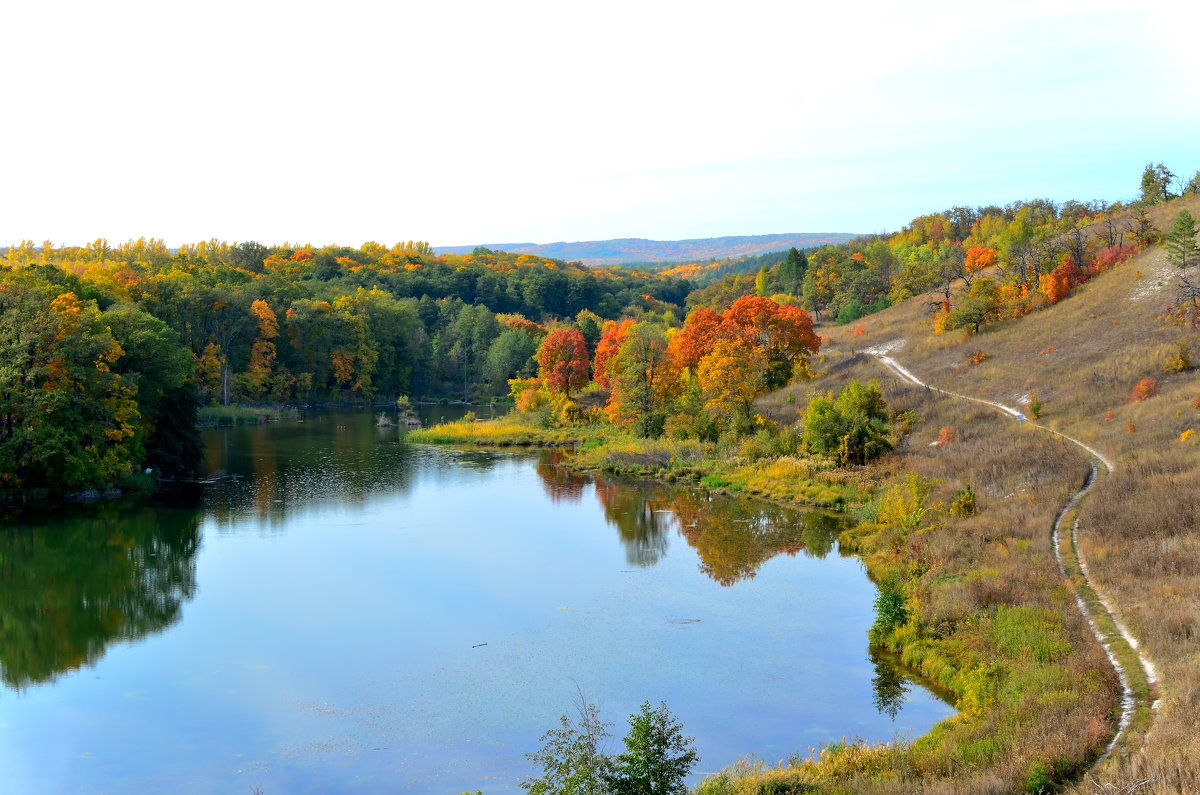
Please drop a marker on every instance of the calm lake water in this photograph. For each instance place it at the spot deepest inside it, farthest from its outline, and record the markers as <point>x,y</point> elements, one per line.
<point>347,612</point>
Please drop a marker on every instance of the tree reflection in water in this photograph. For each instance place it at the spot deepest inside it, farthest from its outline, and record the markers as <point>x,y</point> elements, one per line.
<point>732,536</point>
<point>889,685</point>
<point>559,483</point>
<point>75,580</point>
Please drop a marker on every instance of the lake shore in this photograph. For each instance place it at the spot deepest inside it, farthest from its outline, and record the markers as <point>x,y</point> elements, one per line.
<point>976,604</point>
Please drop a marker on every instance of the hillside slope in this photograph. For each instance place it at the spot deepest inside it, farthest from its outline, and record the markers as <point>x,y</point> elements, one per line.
<point>1140,527</point>
<point>636,249</point>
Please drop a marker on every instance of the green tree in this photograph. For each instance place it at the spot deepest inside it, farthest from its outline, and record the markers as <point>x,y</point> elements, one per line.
<point>67,420</point>
<point>760,282</point>
<point>509,356</point>
<point>981,305</point>
<point>657,757</point>
<point>1182,250</point>
<point>791,271</point>
<point>1156,183</point>
<point>643,380</point>
<point>572,758</point>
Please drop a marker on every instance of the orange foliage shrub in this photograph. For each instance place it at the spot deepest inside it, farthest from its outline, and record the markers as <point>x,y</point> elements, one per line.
<point>1146,388</point>
<point>858,331</point>
<point>1109,416</point>
<point>947,436</point>
<point>1047,351</point>
<point>1130,427</point>
<point>1055,285</point>
<point>976,357</point>
<point>1196,403</point>
<point>941,318</point>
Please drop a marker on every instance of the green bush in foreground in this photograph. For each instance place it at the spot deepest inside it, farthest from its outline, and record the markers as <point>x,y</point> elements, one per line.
<point>657,757</point>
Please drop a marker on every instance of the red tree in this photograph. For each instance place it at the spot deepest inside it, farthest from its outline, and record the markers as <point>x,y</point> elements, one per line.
<point>696,339</point>
<point>563,360</point>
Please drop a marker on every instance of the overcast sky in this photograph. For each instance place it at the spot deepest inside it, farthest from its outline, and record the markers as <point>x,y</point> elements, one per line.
<point>461,122</point>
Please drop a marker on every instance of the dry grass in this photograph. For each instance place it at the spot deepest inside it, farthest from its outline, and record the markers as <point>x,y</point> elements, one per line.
<point>1140,531</point>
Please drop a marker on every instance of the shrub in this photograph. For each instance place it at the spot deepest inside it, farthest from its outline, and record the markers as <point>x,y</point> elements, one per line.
<point>964,504</point>
<point>1034,406</point>
<point>1144,389</point>
<point>1188,434</point>
<point>1130,427</point>
<point>1109,416</point>
<point>976,357</point>
<point>890,611</point>
<point>946,436</point>
<point>1181,360</point>
<point>851,429</point>
<point>1196,402</point>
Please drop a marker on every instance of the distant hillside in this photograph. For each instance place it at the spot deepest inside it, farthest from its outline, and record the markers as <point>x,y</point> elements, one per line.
<point>636,249</point>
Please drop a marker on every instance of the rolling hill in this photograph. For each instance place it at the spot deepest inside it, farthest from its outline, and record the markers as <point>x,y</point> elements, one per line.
<point>635,249</point>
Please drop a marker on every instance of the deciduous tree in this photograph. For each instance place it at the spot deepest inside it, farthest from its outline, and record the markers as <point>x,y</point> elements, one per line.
<point>563,360</point>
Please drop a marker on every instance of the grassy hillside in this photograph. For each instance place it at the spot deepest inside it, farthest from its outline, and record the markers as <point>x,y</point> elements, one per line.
<point>1139,527</point>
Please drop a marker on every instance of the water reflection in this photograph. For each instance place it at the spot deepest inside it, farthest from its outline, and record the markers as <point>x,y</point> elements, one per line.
<point>733,537</point>
<point>888,685</point>
<point>74,580</point>
<point>641,518</point>
<point>561,485</point>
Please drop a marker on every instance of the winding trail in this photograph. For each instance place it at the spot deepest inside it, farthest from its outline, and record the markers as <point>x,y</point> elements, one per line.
<point>1119,639</point>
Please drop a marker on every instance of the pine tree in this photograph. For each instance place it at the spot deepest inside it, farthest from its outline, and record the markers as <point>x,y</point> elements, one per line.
<point>1182,250</point>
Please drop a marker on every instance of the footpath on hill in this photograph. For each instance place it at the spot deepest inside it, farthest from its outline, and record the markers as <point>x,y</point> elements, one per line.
<point>1136,672</point>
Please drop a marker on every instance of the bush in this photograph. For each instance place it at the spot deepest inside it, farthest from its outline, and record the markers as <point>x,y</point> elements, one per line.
<point>890,611</point>
<point>1034,406</point>
<point>850,429</point>
<point>964,503</point>
<point>1181,360</point>
<point>1144,389</point>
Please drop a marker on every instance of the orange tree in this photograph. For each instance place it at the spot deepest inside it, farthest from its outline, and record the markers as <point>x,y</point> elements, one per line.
<point>611,337</point>
<point>783,332</point>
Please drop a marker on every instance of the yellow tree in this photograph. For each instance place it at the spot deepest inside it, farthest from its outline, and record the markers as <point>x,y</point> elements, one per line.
<point>731,376</point>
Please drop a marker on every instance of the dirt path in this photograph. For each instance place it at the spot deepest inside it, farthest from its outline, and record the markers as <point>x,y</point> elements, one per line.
<point>1113,635</point>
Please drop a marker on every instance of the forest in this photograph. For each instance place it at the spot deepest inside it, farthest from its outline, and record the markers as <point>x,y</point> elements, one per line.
<point>107,352</point>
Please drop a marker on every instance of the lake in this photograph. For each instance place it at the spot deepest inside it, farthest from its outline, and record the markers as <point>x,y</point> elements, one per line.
<point>340,611</point>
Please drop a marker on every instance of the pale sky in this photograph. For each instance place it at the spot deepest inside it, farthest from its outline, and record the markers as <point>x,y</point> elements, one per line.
<point>465,122</point>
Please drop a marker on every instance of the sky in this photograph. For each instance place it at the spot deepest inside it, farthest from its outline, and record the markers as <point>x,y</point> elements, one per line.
<point>506,122</point>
